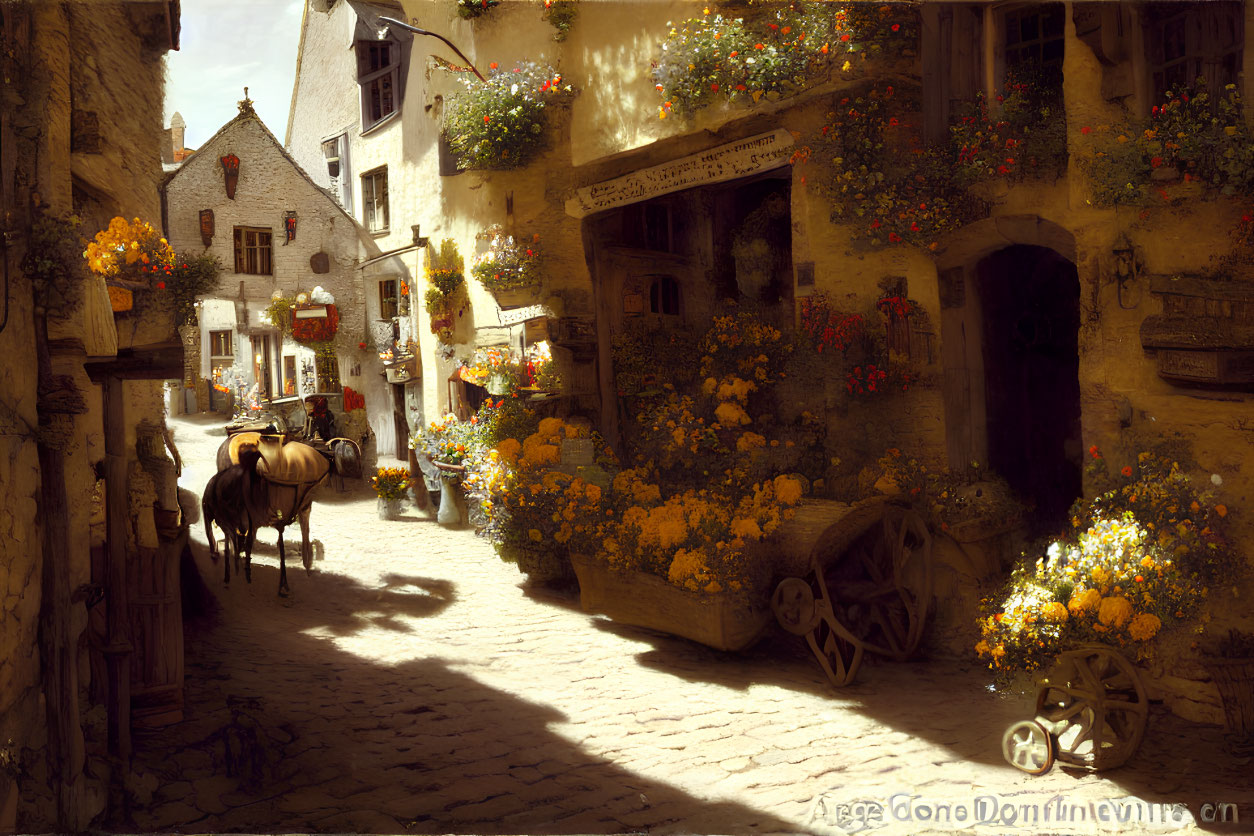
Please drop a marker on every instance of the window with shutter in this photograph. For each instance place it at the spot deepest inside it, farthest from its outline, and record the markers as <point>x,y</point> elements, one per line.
<point>253,250</point>
<point>378,75</point>
<point>374,199</point>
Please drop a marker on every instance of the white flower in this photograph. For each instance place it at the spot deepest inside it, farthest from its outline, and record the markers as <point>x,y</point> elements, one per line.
<point>1216,479</point>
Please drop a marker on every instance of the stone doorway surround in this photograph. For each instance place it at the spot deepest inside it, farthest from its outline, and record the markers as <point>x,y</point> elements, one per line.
<point>962,321</point>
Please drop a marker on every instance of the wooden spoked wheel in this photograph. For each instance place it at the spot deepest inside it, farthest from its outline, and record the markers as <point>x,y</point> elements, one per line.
<point>1027,746</point>
<point>800,613</point>
<point>880,587</point>
<point>1095,705</point>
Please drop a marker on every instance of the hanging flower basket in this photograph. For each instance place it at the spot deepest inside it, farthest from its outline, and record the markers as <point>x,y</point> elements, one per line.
<point>517,297</point>
<point>315,329</point>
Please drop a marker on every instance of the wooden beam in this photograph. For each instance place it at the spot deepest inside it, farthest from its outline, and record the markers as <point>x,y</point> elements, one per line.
<point>117,642</point>
<point>161,361</point>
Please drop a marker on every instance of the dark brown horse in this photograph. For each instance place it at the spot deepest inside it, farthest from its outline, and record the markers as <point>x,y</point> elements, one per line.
<point>225,502</point>
<point>277,488</point>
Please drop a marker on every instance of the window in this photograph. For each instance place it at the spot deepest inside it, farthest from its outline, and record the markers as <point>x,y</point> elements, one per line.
<point>220,344</point>
<point>1191,40</point>
<point>336,153</point>
<point>289,374</point>
<point>378,75</point>
<point>664,296</point>
<point>648,226</point>
<point>253,251</point>
<point>387,299</point>
<point>1034,40</point>
<point>374,199</point>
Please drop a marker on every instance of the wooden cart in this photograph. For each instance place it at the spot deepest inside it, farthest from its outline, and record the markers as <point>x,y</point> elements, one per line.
<point>1091,712</point>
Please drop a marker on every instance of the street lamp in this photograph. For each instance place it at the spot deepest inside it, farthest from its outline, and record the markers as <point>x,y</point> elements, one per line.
<point>394,22</point>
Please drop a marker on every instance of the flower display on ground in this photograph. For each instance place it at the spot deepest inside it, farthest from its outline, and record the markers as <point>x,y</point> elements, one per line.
<point>448,439</point>
<point>390,482</point>
<point>499,123</point>
<point>1140,561</point>
<point>507,263</point>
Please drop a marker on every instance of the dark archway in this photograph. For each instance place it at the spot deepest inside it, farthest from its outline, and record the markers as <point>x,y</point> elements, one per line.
<point>1030,302</point>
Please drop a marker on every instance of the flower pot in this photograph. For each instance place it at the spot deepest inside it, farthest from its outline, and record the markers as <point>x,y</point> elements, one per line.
<point>389,509</point>
<point>721,620</point>
<point>1235,680</point>
<point>541,566</point>
<point>517,297</point>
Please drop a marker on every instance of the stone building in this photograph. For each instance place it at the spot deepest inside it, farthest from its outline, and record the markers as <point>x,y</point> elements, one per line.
<point>90,516</point>
<point>277,234</point>
<point>1044,325</point>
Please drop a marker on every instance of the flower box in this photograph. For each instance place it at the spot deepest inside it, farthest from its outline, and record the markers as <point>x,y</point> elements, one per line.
<point>516,297</point>
<point>721,621</point>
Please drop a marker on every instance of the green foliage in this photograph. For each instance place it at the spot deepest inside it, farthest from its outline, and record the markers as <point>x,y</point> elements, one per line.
<point>500,123</point>
<point>508,263</point>
<point>446,288</point>
<point>470,9</point>
<point>1028,136</point>
<point>189,277</point>
<point>648,361</point>
<point>54,263</point>
<point>1191,136</point>
<point>890,194</point>
<point>774,50</point>
<point>560,14</point>
<point>279,313</point>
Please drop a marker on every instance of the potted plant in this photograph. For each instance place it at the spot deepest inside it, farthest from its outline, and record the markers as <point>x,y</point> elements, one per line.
<point>1232,670</point>
<point>509,269</point>
<point>390,485</point>
<point>446,290</point>
<point>500,123</point>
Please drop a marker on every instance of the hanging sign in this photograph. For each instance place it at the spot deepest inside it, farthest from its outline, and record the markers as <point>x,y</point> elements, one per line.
<point>206,226</point>
<point>230,170</point>
<point>517,315</point>
<point>289,226</point>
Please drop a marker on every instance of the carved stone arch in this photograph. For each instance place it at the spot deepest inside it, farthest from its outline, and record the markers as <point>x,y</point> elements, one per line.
<point>976,331</point>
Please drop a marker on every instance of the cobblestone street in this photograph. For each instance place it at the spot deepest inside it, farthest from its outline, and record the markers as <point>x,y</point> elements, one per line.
<point>411,684</point>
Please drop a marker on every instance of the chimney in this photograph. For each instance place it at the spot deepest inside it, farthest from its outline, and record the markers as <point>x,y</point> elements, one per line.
<point>177,126</point>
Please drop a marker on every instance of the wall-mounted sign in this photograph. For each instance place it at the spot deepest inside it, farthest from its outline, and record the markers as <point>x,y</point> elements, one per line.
<point>633,303</point>
<point>206,226</point>
<point>230,170</point>
<point>289,226</point>
<point>726,162</point>
<point>317,312</point>
<point>517,315</point>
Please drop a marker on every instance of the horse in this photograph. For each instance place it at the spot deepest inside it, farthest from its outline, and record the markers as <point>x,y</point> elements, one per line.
<point>278,486</point>
<point>225,501</point>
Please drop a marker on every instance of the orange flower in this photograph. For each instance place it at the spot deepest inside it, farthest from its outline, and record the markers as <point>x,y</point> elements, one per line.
<point>1127,470</point>
<point>1221,510</point>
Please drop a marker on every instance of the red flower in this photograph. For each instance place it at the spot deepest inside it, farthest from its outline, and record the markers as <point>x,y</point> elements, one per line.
<point>487,119</point>
<point>845,37</point>
<point>758,46</point>
<point>774,25</point>
<point>894,237</point>
<point>892,122</point>
<point>1127,470</point>
<point>492,66</point>
<point>875,224</point>
<point>1245,219</point>
<point>160,285</point>
<point>714,87</point>
<point>1156,162</point>
<point>1093,451</point>
<point>361,345</point>
<point>741,87</point>
<point>1086,130</point>
<point>895,26</point>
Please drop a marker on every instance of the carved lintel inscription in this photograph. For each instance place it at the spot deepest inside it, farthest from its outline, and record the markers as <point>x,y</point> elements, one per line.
<point>1189,365</point>
<point>726,162</point>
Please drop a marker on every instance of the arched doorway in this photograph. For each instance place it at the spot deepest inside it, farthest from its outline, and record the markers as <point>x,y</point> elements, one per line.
<point>1029,300</point>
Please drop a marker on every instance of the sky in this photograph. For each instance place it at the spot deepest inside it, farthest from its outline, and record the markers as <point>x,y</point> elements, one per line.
<point>224,46</point>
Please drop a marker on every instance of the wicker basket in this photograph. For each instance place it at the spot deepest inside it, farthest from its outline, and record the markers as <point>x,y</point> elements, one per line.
<point>1235,680</point>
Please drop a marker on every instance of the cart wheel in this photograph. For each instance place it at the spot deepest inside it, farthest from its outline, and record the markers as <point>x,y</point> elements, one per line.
<point>1097,705</point>
<point>793,605</point>
<point>839,654</point>
<point>1026,745</point>
<point>882,584</point>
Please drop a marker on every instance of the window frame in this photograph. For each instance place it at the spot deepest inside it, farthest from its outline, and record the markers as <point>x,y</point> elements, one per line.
<point>1203,54</point>
<point>258,254</point>
<point>335,153</point>
<point>665,292</point>
<point>370,203</point>
<point>389,310</point>
<point>372,82</point>
<point>227,336</point>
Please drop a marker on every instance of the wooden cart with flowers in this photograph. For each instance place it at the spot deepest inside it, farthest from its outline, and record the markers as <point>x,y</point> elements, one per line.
<point>1138,566</point>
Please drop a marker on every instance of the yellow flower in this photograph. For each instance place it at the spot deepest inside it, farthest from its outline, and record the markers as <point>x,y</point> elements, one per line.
<point>1144,626</point>
<point>1114,611</point>
<point>787,490</point>
<point>535,535</point>
<point>1084,601</point>
<point>1055,612</point>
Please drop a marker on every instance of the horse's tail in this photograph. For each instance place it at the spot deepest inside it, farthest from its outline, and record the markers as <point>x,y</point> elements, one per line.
<point>206,509</point>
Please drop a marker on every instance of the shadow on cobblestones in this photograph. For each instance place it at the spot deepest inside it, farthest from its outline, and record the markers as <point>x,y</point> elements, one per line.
<point>286,732</point>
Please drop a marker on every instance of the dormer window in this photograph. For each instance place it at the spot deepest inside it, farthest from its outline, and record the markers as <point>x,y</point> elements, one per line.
<point>379,76</point>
